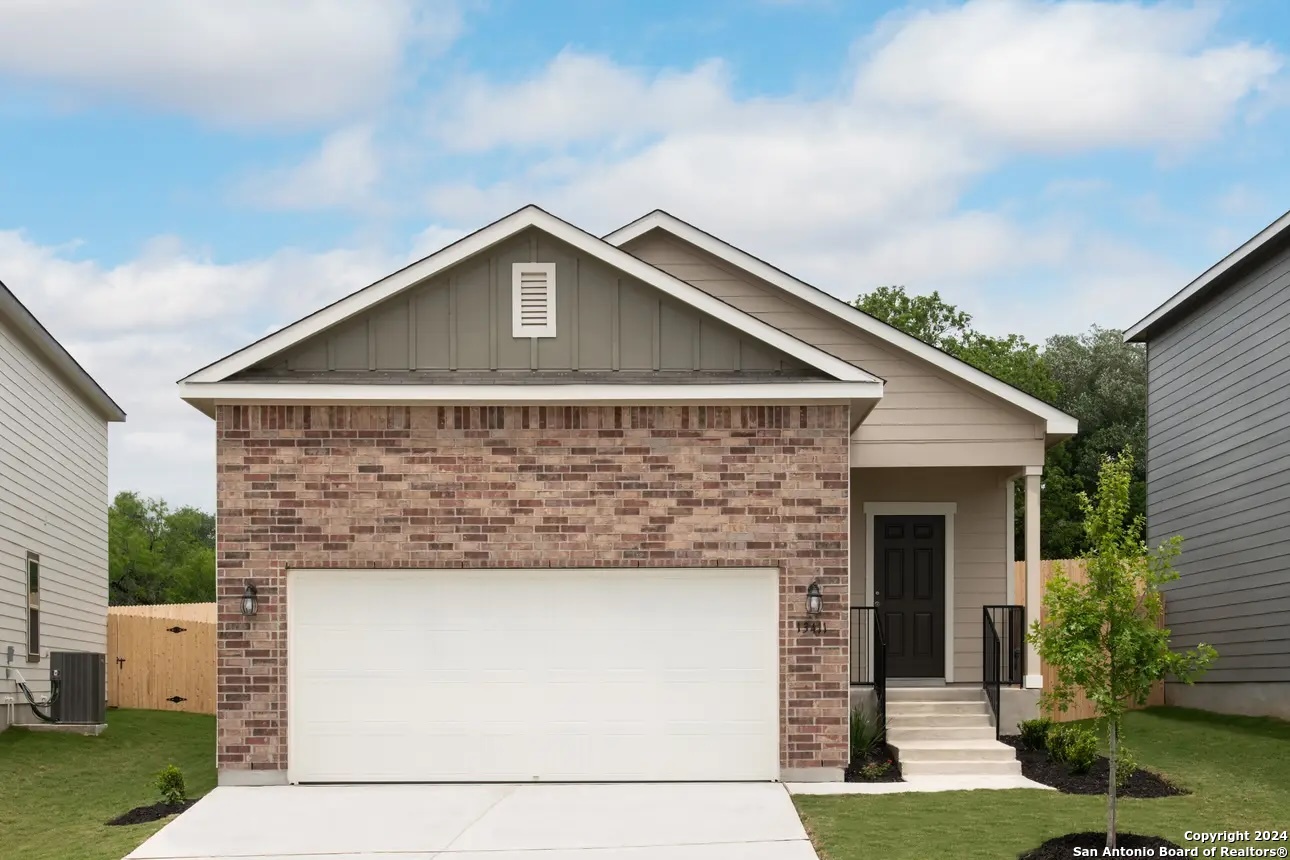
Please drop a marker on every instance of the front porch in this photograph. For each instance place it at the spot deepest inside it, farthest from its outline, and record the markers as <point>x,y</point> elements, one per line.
<point>933,598</point>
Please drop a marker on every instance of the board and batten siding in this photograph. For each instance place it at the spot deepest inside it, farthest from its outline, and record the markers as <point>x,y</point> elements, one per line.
<point>1218,471</point>
<point>53,501</point>
<point>981,535</point>
<point>925,417</point>
<point>461,321</point>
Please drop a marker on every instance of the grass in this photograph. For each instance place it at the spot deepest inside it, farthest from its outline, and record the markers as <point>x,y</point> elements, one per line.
<point>1237,768</point>
<point>56,790</point>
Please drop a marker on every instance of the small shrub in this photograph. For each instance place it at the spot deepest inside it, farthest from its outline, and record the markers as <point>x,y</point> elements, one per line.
<point>170,782</point>
<point>1073,746</point>
<point>875,769</point>
<point>1125,766</point>
<point>866,733</point>
<point>1034,733</point>
<point>1055,743</point>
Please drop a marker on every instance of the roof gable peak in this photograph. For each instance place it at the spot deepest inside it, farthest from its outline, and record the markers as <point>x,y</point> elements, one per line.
<point>529,216</point>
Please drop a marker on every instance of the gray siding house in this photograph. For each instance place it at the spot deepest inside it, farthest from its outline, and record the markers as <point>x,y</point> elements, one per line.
<point>1218,470</point>
<point>53,505</point>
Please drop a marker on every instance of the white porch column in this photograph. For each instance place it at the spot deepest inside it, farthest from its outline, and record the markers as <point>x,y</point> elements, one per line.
<point>1034,675</point>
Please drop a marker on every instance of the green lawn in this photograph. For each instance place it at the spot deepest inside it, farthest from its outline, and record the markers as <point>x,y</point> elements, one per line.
<point>56,790</point>
<point>1238,769</point>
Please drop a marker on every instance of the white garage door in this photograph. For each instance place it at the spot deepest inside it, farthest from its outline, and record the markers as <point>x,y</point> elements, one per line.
<point>522,675</point>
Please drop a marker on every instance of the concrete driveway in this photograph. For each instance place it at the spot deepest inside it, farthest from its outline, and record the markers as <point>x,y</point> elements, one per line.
<point>488,822</point>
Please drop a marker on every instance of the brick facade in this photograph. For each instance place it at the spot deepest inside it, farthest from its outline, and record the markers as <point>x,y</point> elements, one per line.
<point>514,486</point>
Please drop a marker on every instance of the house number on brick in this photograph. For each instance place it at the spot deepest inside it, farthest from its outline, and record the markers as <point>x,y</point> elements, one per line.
<point>814,626</point>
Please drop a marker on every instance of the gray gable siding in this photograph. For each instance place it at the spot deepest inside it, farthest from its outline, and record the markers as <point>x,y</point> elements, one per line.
<point>1218,471</point>
<point>461,321</point>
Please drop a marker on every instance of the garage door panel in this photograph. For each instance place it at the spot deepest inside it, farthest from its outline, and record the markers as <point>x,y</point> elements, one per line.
<point>559,757</point>
<point>522,675</point>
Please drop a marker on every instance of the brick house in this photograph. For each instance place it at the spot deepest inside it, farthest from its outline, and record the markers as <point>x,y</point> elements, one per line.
<point>548,506</point>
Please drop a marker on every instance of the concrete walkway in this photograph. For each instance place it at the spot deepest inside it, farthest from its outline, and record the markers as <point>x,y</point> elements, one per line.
<point>738,821</point>
<point>920,783</point>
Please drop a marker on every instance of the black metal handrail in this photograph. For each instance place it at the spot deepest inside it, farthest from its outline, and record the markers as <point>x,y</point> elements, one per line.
<point>869,656</point>
<point>1003,653</point>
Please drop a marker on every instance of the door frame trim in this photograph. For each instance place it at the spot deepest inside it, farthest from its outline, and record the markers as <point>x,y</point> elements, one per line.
<point>934,509</point>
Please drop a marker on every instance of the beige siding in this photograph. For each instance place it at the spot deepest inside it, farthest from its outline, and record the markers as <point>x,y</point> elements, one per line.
<point>981,534</point>
<point>461,320</point>
<point>938,419</point>
<point>53,501</point>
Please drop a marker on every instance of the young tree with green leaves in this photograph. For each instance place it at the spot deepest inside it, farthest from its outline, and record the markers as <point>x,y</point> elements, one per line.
<point>1104,636</point>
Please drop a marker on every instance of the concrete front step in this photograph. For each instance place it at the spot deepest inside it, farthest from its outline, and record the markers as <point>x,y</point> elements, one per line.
<point>937,720</point>
<point>902,732</point>
<point>959,768</point>
<point>905,709</point>
<point>930,694</point>
<point>946,731</point>
<point>954,750</point>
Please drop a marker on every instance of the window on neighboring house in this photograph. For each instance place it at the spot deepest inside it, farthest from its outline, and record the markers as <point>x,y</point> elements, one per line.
<point>33,607</point>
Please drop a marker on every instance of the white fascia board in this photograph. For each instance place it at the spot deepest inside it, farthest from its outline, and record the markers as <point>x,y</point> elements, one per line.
<point>529,216</point>
<point>204,395</point>
<point>1058,422</point>
<point>1138,330</point>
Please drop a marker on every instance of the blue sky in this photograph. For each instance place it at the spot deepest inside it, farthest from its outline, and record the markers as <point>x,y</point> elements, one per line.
<point>181,177</point>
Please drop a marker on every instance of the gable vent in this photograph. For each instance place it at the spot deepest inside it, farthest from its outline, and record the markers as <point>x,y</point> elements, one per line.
<point>533,297</point>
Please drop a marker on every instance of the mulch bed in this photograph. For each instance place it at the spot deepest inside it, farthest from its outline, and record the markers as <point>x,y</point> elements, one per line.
<point>154,812</point>
<point>880,753</point>
<point>1063,847</point>
<point>1036,765</point>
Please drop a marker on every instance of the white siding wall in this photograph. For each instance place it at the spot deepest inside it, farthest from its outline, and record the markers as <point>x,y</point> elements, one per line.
<point>53,501</point>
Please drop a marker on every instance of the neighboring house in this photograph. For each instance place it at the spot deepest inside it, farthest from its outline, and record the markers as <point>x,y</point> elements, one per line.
<point>546,506</point>
<point>1218,470</point>
<point>53,505</point>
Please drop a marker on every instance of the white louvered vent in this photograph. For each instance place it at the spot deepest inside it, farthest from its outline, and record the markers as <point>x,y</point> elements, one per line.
<point>533,299</point>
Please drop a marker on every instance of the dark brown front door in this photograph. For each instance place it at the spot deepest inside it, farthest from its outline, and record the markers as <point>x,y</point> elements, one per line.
<point>909,591</point>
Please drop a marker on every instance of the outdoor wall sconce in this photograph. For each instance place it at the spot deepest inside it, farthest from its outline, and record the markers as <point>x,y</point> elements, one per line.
<point>250,602</point>
<point>814,599</point>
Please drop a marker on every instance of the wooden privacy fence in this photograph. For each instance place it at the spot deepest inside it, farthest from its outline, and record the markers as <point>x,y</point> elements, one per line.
<point>161,662</point>
<point>1081,708</point>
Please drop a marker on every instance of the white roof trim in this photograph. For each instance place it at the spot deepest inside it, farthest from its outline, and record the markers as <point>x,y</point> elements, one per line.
<point>205,395</point>
<point>529,216</point>
<point>57,357</point>
<point>1139,329</point>
<point>1058,422</point>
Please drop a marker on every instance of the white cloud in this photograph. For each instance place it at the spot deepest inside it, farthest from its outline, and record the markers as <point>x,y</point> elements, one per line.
<point>777,172</point>
<point>343,172</point>
<point>577,97</point>
<point>280,62</point>
<point>1066,76</point>
<point>1102,280</point>
<point>169,286</point>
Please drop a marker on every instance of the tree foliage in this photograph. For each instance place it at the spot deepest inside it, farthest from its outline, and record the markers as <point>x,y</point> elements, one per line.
<point>156,555</point>
<point>943,325</point>
<point>1102,381</point>
<point>1105,637</point>
<point>1094,376</point>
